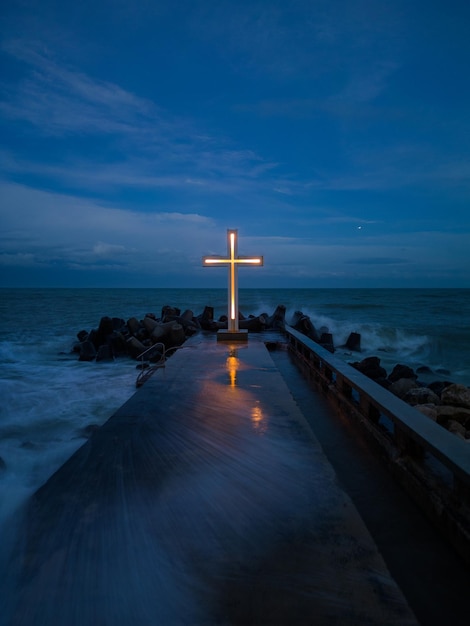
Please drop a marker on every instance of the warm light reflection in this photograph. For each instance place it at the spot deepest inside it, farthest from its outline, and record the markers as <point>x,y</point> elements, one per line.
<point>232,261</point>
<point>257,417</point>
<point>232,366</point>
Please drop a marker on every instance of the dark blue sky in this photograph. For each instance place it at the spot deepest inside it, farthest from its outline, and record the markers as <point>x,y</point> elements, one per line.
<point>335,135</point>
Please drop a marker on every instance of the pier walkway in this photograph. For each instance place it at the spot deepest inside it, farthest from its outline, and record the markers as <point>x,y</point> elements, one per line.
<point>206,499</point>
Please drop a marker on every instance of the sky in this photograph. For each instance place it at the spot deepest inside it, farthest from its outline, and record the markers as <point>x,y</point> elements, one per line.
<point>333,134</point>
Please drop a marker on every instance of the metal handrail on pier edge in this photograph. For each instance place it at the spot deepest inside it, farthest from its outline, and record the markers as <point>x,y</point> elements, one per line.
<point>432,464</point>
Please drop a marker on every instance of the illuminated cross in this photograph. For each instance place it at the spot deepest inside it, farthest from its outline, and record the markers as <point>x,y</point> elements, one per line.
<point>233,261</point>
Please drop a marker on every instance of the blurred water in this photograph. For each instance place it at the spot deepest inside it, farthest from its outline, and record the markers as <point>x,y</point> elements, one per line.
<point>49,397</point>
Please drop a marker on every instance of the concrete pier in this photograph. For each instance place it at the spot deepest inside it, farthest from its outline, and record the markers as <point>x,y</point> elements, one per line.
<point>206,499</point>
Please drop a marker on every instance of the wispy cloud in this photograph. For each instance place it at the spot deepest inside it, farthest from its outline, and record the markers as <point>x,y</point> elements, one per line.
<point>151,148</point>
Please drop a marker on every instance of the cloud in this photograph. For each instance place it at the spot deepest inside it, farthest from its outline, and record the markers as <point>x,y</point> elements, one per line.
<point>378,260</point>
<point>17,259</point>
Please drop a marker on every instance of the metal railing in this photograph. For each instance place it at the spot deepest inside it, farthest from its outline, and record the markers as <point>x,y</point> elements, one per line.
<point>431,463</point>
<point>146,372</point>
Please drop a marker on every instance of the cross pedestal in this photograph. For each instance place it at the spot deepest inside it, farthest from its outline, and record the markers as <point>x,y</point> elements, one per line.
<point>233,333</point>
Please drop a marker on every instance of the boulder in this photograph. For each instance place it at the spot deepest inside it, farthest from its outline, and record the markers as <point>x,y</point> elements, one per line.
<point>118,344</point>
<point>149,323</point>
<point>456,413</point>
<point>133,325</point>
<point>254,324</point>
<point>206,318</point>
<point>420,395</point>
<point>168,312</point>
<point>135,347</point>
<point>305,326</point>
<point>403,386</point>
<point>295,318</point>
<point>278,318</point>
<point>456,428</point>
<point>176,334</point>
<point>438,386</point>
<point>427,409</point>
<point>82,335</point>
<point>353,342</point>
<point>161,330</point>
<point>105,329</point>
<point>87,351</point>
<point>401,371</point>
<point>370,367</point>
<point>118,324</point>
<point>104,353</point>
<point>456,395</point>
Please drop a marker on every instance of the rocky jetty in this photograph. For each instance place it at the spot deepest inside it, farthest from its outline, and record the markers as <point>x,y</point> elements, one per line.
<point>116,337</point>
<point>322,335</point>
<point>444,402</point>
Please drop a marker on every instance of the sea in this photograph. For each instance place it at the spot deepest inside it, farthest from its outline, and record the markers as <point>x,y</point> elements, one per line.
<point>49,398</point>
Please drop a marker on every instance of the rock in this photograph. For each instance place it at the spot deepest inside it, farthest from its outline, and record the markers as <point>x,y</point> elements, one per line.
<point>424,369</point>
<point>353,342</point>
<point>371,368</point>
<point>169,311</point>
<point>401,371</point>
<point>77,346</point>
<point>176,334</point>
<point>118,323</point>
<point>295,318</point>
<point>420,395</point>
<point>456,428</point>
<point>278,318</point>
<point>438,386</point>
<point>133,325</point>
<point>305,326</point>
<point>254,324</point>
<point>456,395</point>
<point>104,330</point>
<point>87,351</point>
<point>206,318</point>
<point>456,413</point>
<point>82,335</point>
<point>149,323</point>
<point>161,330</point>
<point>427,409</point>
<point>401,387</point>
<point>118,344</point>
<point>135,347</point>
<point>104,353</point>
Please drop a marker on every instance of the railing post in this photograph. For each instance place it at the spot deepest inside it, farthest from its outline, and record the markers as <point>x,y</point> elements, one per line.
<point>368,409</point>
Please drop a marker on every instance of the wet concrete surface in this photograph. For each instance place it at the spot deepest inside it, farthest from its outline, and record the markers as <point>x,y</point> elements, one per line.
<point>206,499</point>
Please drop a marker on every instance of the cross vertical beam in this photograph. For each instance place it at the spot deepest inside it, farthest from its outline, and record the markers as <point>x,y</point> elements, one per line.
<point>232,261</point>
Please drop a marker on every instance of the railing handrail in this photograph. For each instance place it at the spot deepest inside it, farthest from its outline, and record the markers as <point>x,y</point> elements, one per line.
<point>449,449</point>
<point>153,347</point>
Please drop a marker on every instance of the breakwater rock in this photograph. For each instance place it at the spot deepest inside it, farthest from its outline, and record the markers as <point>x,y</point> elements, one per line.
<point>115,337</point>
<point>322,335</point>
<point>443,401</point>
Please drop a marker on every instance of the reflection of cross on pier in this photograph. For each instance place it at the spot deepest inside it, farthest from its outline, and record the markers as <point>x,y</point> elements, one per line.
<point>232,260</point>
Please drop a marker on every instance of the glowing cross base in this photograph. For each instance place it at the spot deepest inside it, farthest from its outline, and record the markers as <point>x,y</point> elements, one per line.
<point>233,261</point>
